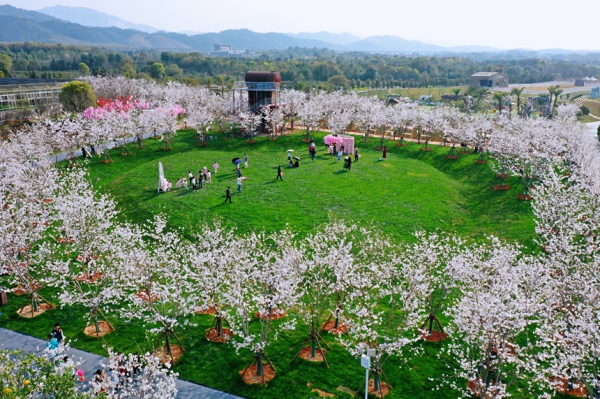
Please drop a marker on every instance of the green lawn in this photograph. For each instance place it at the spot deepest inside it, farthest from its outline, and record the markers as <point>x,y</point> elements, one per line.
<point>410,190</point>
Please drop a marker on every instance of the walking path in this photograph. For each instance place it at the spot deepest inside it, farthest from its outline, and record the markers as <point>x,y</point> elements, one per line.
<point>90,363</point>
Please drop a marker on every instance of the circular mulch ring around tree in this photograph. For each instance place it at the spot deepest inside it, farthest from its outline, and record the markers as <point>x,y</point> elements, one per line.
<point>143,295</point>
<point>501,176</point>
<point>164,357</point>
<point>524,197</point>
<point>86,277</point>
<point>251,378</point>
<point>167,149</point>
<point>501,188</point>
<point>427,149</point>
<point>561,385</point>
<point>63,240</point>
<point>105,329</point>
<point>400,145</point>
<point>20,290</point>
<point>212,335</point>
<point>306,353</point>
<point>480,162</point>
<point>366,141</point>
<point>435,336</point>
<point>273,138</point>
<point>250,141</point>
<point>276,314</point>
<point>341,328</point>
<point>385,389</point>
<point>378,148</point>
<point>106,160</point>
<point>453,156</point>
<point>26,311</point>
<point>210,311</point>
<point>305,140</point>
<point>201,144</point>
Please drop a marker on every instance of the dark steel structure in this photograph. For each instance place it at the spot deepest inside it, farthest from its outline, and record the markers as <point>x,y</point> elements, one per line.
<point>263,89</point>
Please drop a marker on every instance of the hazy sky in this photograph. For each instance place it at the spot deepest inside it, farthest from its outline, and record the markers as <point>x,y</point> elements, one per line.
<point>534,24</point>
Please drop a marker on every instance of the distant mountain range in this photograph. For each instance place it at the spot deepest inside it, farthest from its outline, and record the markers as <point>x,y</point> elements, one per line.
<point>90,17</point>
<point>86,26</point>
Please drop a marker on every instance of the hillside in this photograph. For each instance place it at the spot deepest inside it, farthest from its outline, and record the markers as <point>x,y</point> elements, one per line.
<point>90,17</point>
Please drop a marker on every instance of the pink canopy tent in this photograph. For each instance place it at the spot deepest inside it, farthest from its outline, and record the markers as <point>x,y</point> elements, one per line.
<point>346,141</point>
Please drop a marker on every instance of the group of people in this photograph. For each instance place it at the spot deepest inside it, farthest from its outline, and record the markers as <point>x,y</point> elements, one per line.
<point>204,177</point>
<point>118,377</point>
<point>62,364</point>
<point>334,150</point>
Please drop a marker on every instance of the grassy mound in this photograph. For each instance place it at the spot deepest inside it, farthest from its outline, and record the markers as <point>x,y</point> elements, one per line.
<point>410,190</point>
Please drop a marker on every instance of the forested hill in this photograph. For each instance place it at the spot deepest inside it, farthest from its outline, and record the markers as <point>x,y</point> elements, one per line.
<point>17,25</point>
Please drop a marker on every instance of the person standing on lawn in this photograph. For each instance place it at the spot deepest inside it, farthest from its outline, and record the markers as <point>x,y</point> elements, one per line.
<point>216,167</point>
<point>245,160</point>
<point>279,173</point>
<point>239,183</point>
<point>349,163</point>
<point>228,195</point>
<point>384,152</point>
<point>356,155</point>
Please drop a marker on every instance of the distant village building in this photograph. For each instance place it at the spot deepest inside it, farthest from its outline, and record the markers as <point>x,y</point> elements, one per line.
<point>489,79</point>
<point>587,81</point>
<point>228,51</point>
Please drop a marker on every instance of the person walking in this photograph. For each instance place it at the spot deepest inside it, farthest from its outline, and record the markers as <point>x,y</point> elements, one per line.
<point>239,183</point>
<point>200,181</point>
<point>340,154</point>
<point>313,153</point>
<point>57,333</point>
<point>228,195</point>
<point>349,163</point>
<point>190,176</point>
<point>216,167</point>
<point>356,155</point>
<point>289,155</point>
<point>193,182</point>
<point>245,160</point>
<point>384,152</point>
<point>279,173</point>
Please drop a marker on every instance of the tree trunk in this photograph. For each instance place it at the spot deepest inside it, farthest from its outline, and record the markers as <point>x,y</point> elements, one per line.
<point>219,326</point>
<point>168,341</point>
<point>313,352</point>
<point>259,364</point>
<point>96,323</point>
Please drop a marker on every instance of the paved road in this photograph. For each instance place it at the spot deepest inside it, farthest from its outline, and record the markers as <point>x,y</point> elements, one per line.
<point>186,390</point>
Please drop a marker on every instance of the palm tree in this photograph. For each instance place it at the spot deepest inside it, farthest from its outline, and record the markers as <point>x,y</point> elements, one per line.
<point>208,82</point>
<point>221,82</point>
<point>518,92</point>
<point>499,96</point>
<point>551,92</point>
<point>557,92</point>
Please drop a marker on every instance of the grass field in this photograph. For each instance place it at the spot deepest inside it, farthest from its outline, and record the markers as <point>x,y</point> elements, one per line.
<point>413,93</point>
<point>410,190</point>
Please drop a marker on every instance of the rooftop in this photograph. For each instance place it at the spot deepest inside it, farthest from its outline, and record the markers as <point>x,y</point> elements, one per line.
<point>485,74</point>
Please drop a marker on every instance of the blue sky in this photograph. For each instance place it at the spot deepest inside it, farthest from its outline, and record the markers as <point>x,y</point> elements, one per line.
<point>533,24</point>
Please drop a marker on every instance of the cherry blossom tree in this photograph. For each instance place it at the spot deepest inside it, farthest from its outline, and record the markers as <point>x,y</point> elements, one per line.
<point>142,376</point>
<point>501,292</point>
<point>158,278</point>
<point>263,285</point>
<point>85,258</point>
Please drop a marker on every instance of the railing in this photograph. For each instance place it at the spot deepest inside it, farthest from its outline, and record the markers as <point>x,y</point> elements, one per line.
<point>265,101</point>
<point>258,86</point>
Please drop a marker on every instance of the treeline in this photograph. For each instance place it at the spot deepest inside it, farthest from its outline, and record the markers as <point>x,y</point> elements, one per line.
<point>303,67</point>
